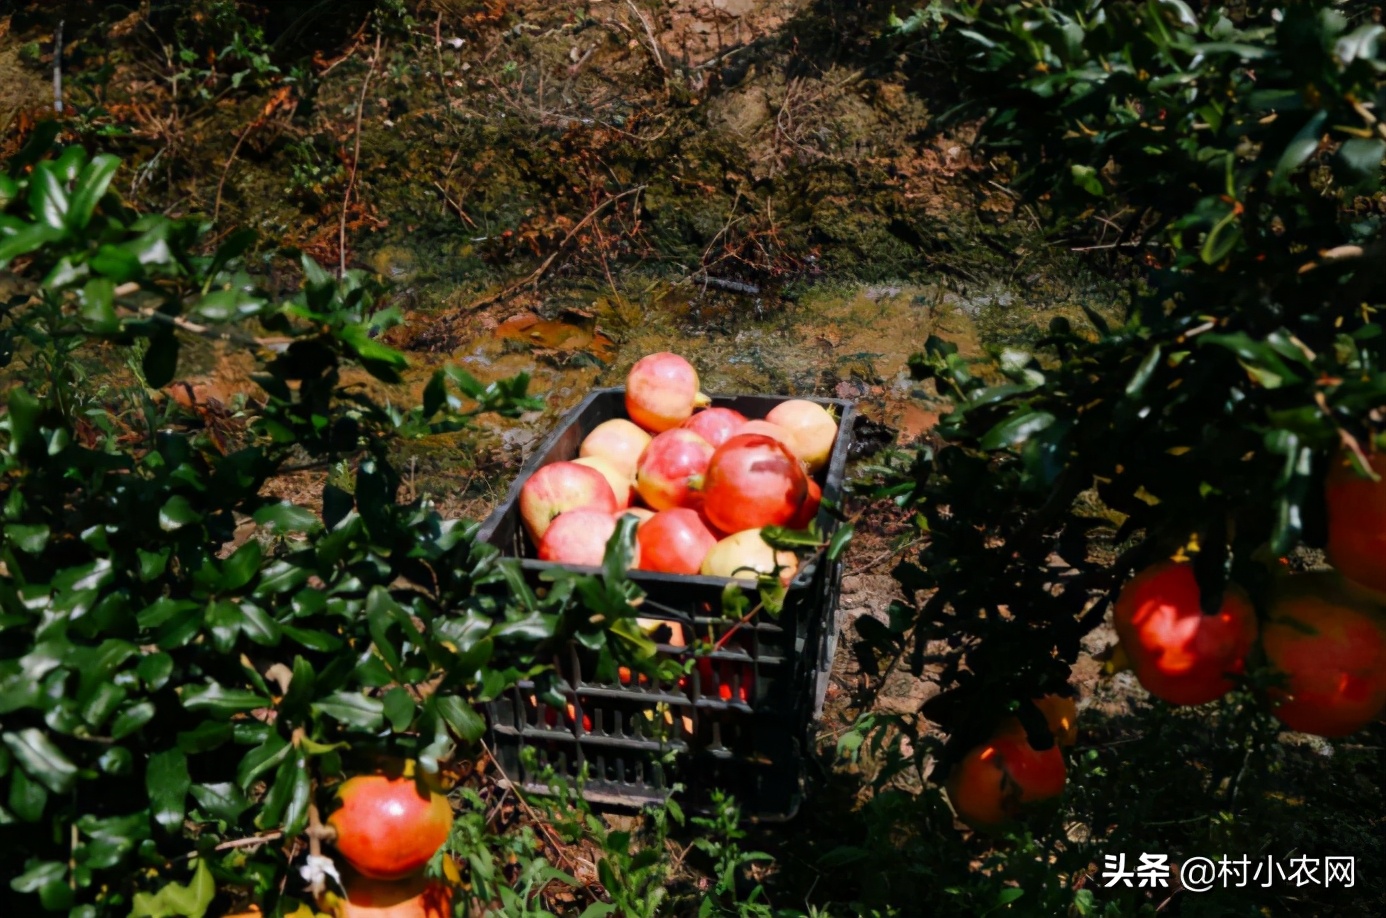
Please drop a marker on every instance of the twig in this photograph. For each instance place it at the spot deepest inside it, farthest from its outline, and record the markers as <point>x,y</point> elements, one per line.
<point>649,33</point>
<point>723,283</point>
<point>529,811</point>
<point>253,841</point>
<point>228,334</point>
<point>58,69</point>
<point>886,556</point>
<point>534,276</point>
<point>456,207</point>
<point>226,169</point>
<point>722,641</point>
<point>355,160</point>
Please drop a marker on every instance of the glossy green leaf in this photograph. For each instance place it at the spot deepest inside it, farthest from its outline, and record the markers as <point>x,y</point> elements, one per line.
<point>45,762</point>
<point>91,185</point>
<point>167,780</point>
<point>1299,149</point>
<point>27,538</point>
<point>1016,429</point>
<point>220,801</point>
<point>352,709</point>
<point>219,700</point>
<point>462,717</point>
<point>286,517</point>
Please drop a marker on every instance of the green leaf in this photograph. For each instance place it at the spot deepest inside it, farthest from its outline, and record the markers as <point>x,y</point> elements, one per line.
<point>30,539</point>
<point>353,709</point>
<point>98,304</point>
<point>285,803</point>
<point>839,541</point>
<point>261,759</point>
<point>1016,428</point>
<point>1363,156</point>
<point>131,719</point>
<point>38,876</point>
<point>178,901</point>
<point>224,306</point>
<point>176,513</point>
<point>117,264</point>
<point>399,709</point>
<point>28,797</point>
<point>1299,149</point>
<point>1008,895</point>
<point>1359,44</point>
<point>287,517</point>
<point>240,567</point>
<point>26,240</point>
<point>219,700</point>
<point>167,780</point>
<point>280,576</point>
<point>462,717</point>
<point>47,199</point>
<point>206,736</point>
<point>43,761</point>
<point>221,801</point>
<point>1085,177</point>
<point>380,360</point>
<point>90,187</point>
<point>233,246</point>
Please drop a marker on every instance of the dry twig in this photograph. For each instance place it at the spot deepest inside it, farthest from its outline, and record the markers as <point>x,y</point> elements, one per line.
<point>355,159</point>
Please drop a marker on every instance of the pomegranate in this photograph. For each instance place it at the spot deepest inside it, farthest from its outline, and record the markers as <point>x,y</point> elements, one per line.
<point>674,541</point>
<point>1331,647</point>
<point>1356,509</point>
<point>570,717</point>
<point>752,481</point>
<point>559,487</point>
<point>413,897</point>
<point>389,827</point>
<point>1179,654</point>
<point>620,482</point>
<point>643,514</point>
<point>768,429</point>
<point>618,441</point>
<point>662,391</point>
<point>727,679</point>
<point>715,425</point>
<point>812,427</point>
<point>745,556</point>
<point>808,509</point>
<point>410,897</point>
<point>670,468</point>
<point>1001,778</point>
<point>579,537</point>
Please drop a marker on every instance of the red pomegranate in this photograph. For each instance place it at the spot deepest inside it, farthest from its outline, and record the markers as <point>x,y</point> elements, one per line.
<point>662,391</point>
<point>1356,509</point>
<point>808,510</point>
<point>1179,654</point>
<point>389,827</point>
<point>1331,647</point>
<point>715,425</point>
<point>670,467</point>
<point>674,541</point>
<point>412,897</point>
<point>753,481</point>
<point>998,780</point>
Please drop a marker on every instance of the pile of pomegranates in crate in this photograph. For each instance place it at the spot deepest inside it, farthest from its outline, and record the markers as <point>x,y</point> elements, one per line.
<point>704,481</point>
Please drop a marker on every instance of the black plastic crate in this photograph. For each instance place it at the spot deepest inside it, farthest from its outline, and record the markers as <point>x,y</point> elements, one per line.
<point>740,722</point>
